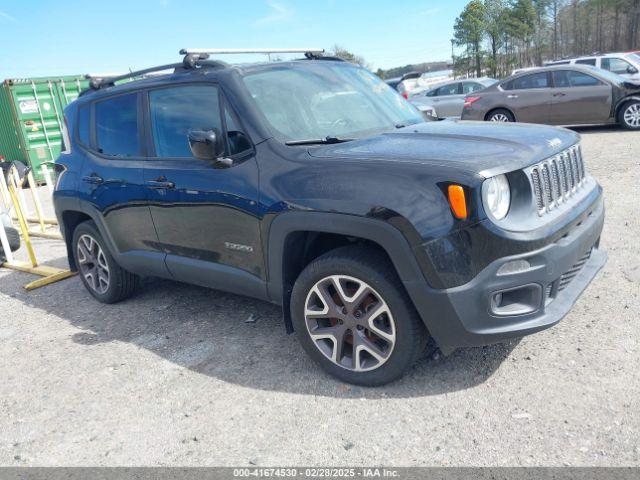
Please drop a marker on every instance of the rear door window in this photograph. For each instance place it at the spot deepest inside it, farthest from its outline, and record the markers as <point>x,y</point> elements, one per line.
<point>446,90</point>
<point>117,126</point>
<point>470,87</point>
<point>535,80</point>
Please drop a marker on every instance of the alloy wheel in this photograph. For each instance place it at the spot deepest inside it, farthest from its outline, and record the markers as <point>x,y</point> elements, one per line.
<point>350,323</point>
<point>93,264</point>
<point>632,115</point>
<point>499,117</point>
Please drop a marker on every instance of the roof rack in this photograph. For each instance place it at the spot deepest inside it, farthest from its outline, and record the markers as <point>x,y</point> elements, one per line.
<point>198,58</point>
<point>266,51</point>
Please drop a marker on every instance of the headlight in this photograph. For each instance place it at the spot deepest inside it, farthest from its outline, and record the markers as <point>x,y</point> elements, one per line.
<point>496,196</point>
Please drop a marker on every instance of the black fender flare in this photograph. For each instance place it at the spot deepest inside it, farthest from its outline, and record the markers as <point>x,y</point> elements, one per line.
<point>388,237</point>
<point>71,204</point>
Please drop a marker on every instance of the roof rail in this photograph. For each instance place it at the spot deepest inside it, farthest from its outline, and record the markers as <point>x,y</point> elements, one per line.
<point>190,61</point>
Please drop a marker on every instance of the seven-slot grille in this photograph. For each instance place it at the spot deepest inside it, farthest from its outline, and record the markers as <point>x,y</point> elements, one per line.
<point>557,178</point>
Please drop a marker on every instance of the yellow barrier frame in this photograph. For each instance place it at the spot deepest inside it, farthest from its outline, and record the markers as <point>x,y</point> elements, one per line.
<point>50,274</point>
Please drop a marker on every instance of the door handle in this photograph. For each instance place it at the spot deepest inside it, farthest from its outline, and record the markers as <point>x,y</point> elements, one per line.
<point>160,183</point>
<point>512,96</point>
<point>559,94</point>
<point>93,179</point>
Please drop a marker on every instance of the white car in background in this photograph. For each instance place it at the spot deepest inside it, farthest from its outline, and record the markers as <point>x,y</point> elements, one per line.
<point>408,82</point>
<point>624,64</point>
<point>414,82</point>
<point>445,100</point>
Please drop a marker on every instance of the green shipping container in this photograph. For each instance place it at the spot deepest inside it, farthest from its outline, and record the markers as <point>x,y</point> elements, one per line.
<point>31,117</point>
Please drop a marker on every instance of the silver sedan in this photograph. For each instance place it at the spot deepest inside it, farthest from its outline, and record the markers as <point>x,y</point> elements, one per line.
<point>445,100</point>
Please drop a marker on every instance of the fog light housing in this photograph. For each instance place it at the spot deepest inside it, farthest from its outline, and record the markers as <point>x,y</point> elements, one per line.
<point>517,300</point>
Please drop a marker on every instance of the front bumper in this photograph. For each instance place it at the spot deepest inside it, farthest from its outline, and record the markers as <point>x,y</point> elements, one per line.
<point>558,273</point>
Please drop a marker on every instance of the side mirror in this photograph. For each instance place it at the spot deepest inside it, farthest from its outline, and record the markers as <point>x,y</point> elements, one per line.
<point>632,70</point>
<point>206,144</point>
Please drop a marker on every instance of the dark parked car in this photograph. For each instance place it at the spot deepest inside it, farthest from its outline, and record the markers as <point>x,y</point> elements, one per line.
<point>559,95</point>
<point>312,185</point>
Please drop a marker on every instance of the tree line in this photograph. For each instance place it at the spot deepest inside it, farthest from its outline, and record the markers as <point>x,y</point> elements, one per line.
<point>495,36</point>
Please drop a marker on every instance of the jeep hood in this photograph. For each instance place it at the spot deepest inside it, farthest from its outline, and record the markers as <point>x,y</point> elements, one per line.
<point>484,148</point>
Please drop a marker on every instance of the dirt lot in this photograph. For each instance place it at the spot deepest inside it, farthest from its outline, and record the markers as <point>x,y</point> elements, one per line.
<point>176,376</point>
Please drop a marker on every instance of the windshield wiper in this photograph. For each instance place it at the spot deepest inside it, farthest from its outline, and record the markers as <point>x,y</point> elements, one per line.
<point>319,141</point>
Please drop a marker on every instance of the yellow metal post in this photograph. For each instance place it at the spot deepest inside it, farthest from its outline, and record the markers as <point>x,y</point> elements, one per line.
<point>23,225</point>
<point>49,274</point>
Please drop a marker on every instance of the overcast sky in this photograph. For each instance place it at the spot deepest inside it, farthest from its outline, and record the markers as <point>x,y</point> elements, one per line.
<point>56,37</point>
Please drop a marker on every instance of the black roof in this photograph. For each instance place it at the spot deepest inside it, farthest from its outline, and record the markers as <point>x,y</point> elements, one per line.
<point>193,62</point>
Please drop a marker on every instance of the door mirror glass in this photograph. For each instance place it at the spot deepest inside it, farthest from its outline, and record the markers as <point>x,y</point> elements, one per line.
<point>206,144</point>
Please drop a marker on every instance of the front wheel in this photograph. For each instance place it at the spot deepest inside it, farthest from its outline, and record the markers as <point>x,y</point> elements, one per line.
<point>353,318</point>
<point>501,115</point>
<point>629,115</point>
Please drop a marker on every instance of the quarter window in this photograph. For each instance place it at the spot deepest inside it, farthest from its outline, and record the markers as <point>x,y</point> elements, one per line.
<point>587,61</point>
<point>84,125</point>
<point>238,141</point>
<point>117,126</point>
<point>176,110</point>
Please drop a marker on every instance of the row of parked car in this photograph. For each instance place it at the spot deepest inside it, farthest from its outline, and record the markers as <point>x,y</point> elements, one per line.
<point>598,89</point>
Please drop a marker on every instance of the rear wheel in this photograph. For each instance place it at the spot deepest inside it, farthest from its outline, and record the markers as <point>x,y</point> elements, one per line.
<point>501,115</point>
<point>354,320</point>
<point>100,274</point>
<point>629,115</point>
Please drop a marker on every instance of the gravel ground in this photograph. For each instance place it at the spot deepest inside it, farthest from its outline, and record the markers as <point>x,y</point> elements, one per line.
<point>177,376</point>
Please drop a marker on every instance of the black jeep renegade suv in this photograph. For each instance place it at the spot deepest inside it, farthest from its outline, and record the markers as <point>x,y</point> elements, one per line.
<point>313,185</point>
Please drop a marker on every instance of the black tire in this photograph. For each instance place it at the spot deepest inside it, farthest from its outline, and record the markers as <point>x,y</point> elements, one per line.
<point>14,241</point>
<point>627,107</point>
<point>121,283</point>
<point>494,115</point>
<point>370,266</point>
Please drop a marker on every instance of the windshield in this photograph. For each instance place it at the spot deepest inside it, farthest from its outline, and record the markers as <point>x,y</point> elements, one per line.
<point>323,101</point>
